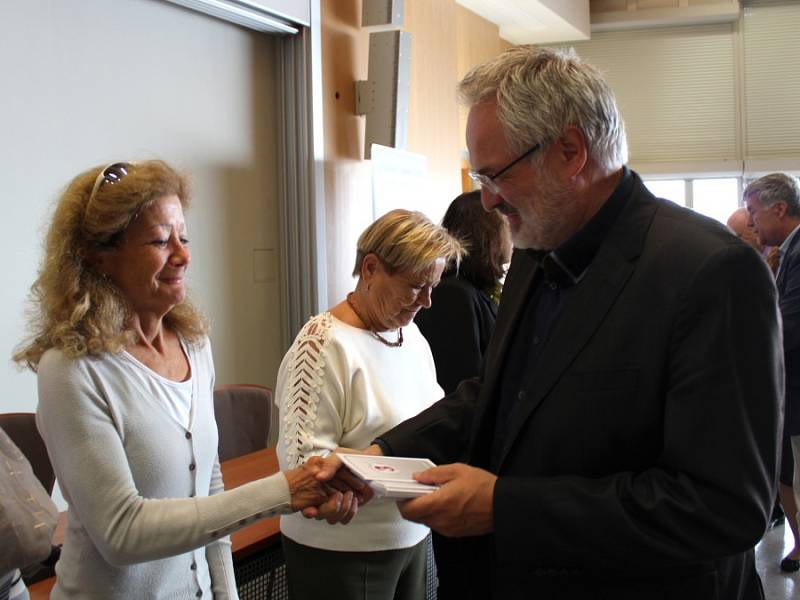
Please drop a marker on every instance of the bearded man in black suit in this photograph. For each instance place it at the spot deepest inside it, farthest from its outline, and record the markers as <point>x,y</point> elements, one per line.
<point>622,438</point>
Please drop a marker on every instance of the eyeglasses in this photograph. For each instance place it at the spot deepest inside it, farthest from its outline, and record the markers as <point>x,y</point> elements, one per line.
<point>112,174</point>
<point>488,181</point>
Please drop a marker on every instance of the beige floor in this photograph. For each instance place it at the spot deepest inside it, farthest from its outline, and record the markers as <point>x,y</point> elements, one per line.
<point>777,585</point>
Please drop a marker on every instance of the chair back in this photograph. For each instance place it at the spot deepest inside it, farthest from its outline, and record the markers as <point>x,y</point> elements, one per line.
<point>21,428</point>
<point>243,418</point>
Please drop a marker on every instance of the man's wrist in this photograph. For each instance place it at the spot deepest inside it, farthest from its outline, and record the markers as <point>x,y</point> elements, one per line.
<point>380,445</point>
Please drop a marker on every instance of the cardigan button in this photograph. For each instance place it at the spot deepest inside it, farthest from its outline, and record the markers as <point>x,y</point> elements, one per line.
<point>188,435</point>
<point>192,467</point>
<point>199,593</point>
<point>194,566</point>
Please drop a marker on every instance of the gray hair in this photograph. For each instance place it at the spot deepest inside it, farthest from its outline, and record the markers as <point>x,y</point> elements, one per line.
<point>542,91</point>
<point>776,187</point>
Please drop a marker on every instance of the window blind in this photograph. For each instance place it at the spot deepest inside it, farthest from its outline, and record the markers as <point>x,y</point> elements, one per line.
<point>772,80</point>
<point>676,90</point>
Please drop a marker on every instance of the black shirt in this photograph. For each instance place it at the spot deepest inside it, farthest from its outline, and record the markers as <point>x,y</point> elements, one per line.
<point>561,270</point>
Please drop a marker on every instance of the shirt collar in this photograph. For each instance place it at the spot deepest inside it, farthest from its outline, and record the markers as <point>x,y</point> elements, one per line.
<point>788,241</point>
<point>567,264</point>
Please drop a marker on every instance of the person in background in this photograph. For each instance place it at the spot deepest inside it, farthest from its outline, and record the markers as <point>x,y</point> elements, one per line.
<point>624,435</point>
<point>738,223</point>
<point>458,326</point>
<point>460,321</point>
<point>125,377</point>
<point>773,207</point>
<point>352,373</point>
<point>28,518</point>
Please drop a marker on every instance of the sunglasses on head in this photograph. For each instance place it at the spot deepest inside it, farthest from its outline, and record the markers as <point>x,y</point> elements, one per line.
<point>110,175</point>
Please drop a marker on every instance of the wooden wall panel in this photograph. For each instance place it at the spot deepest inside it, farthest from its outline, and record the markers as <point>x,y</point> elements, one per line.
<point>433,109</point>
<point>434,131</point>
<point>348,208</point>
<point>478,40</point>
<point>345,49</point>
<point>348,182</point>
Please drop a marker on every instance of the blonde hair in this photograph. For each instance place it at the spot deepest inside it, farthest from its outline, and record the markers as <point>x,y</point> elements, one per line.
<point>406,241</point>
<point>74,308</point>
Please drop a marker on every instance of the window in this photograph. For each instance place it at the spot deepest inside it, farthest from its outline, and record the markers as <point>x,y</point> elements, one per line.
<point>671,189</point>
<point>716,198</point>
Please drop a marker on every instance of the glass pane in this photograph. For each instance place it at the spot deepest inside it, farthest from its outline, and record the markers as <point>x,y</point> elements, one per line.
<point>716,198</point>
<point>671,189</point>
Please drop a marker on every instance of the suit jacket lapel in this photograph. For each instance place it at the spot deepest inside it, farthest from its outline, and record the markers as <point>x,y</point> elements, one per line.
<point>786,260</point>
<point>521,276</point>
<point>519,281</point>
<point>587,305</point>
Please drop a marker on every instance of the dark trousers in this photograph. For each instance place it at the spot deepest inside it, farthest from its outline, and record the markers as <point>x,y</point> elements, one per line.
<point>383,575</point>
<point>455,561</point>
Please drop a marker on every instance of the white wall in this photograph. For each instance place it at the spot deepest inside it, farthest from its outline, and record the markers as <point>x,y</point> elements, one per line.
<point>95,81</point>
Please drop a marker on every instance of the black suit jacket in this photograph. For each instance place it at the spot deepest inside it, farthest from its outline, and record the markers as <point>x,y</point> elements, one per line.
<point>458,327</point>
<point>788,283</point>
<point>644,464</point>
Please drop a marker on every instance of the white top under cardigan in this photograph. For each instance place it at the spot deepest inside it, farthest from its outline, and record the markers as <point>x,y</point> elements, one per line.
<point>147,517</point>
<point>340,386</point>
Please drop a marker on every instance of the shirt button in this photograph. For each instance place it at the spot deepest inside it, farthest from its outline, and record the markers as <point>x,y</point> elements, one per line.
<point>553,285</point>
<point>194,566</point>
<point>188,435</point>
<point>521,395</point>
<point>536,339</point>
<point>191,467</point>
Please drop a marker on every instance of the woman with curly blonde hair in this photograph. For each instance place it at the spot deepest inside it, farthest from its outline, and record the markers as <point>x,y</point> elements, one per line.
<point>80,310</point>
<point>125,378</point>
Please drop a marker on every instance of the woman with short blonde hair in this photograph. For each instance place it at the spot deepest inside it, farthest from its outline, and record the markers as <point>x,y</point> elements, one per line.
<point>352,373</point>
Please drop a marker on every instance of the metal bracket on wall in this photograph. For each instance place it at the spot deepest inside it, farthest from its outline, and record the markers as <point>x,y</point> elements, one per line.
<point>365,96</point>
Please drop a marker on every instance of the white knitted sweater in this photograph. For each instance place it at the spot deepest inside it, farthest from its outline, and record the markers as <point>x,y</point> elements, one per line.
<point>339,386</point>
